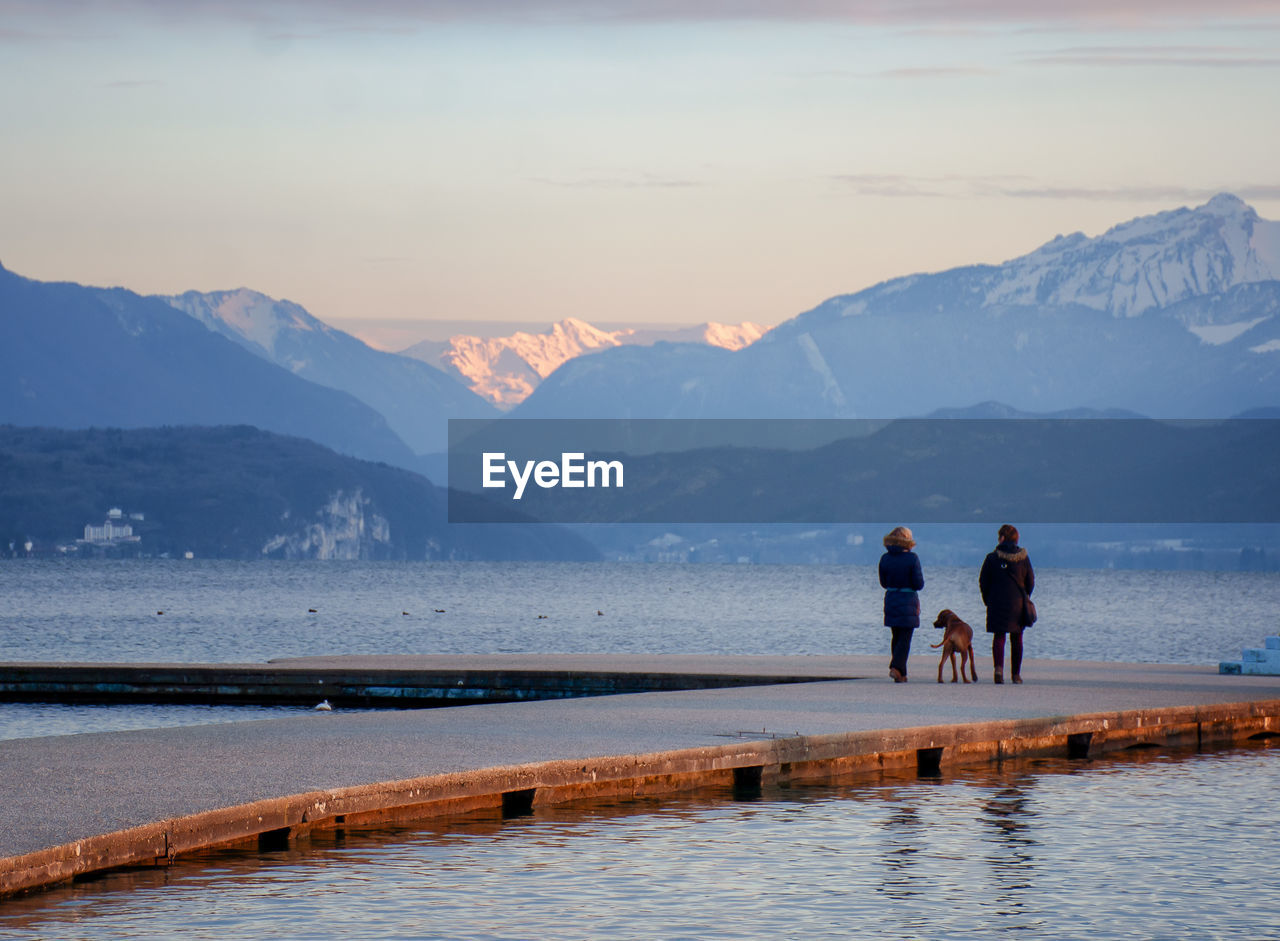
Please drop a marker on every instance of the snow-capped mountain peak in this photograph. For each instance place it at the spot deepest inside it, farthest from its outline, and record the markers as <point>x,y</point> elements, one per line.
<point>1227,204</point>
<point>1151,261</point>
<point>505,370</point>
<point>252,319</point>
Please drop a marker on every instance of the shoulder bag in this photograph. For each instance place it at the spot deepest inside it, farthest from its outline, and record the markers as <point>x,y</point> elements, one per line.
<point>1029,613</point>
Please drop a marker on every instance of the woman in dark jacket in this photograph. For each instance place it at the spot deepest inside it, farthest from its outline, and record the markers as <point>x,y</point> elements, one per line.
<point>900,577</point>
<point>1006,581</point>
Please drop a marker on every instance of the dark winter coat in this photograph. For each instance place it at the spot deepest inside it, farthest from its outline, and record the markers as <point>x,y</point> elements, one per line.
<point>900,569</point>
<point>1000,592</point>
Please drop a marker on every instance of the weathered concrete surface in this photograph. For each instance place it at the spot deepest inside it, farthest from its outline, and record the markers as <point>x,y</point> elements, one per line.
<point>74,804</point>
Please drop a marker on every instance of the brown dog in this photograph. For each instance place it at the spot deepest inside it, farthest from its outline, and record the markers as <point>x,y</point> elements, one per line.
<point>957,637</point>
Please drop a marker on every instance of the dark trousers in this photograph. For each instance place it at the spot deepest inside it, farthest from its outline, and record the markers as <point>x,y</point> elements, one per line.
<point>900,648</point>
<point>1015,652</point>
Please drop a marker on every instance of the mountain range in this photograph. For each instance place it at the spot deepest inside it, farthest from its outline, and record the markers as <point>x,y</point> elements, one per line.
<point>1173,315</point>
<point>75,357</point>
<point>1169,315</point>
<point>505,370</point>
<point>416,399</point>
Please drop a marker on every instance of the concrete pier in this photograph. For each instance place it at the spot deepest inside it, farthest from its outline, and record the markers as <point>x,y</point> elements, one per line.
<point>79,804</point>
<point>363,684</point>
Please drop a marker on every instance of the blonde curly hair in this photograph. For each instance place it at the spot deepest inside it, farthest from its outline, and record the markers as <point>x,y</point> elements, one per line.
<point>900,536</point>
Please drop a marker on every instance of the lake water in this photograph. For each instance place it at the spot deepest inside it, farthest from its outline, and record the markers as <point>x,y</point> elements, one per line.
<point>1165,846</point>
<point>151,610</point>
<point>210,611</point>
<point>1138,846</point>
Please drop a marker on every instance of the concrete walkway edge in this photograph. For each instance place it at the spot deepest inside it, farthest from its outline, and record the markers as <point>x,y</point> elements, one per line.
<point>744,765</point>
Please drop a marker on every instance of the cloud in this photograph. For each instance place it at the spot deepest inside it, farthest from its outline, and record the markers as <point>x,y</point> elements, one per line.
<point>896,184</point>
<point>926,14</point>
<point>1232,57</point>
<point>132,83</point>
<point>1022,187</point>
<point>890,184</point>
<point>1130,193</point>
<point>618,181</point>
<point>941,71</point>
<point>907,72</point>
<point>1138,193</point>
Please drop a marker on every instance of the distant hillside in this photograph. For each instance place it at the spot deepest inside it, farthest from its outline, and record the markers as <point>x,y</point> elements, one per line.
<point>416,398</point>
<point>1092,470</point>
<point>75,357</point>
<point>238,492</point>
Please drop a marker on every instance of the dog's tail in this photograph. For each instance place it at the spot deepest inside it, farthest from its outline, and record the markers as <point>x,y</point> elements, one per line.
<point>938,644</point>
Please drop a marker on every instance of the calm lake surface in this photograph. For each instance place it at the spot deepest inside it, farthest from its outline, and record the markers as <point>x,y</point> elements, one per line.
<point>1144,846</point>
<point>1138,846</point>
<point>210,611</point>
<point>256,611</point>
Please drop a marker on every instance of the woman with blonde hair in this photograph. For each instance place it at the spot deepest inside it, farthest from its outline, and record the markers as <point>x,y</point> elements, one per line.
<point>900,577</point>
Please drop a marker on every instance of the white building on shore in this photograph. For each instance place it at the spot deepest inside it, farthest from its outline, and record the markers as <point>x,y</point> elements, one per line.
<point>115,530</point>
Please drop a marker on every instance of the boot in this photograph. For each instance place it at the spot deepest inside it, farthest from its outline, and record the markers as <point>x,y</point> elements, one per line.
<point>999,677</point>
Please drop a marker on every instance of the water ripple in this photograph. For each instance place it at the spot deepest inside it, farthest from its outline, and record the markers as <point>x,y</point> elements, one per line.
<point>1145,847</point>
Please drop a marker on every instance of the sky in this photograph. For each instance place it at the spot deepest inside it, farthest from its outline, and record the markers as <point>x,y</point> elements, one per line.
<point>530,160</point>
